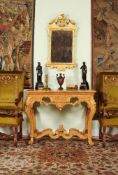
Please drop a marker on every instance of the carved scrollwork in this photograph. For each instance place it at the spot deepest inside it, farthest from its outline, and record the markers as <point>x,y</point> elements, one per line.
<point>46,99</point>
<point>74,99</point>
<point>108,79</point>
<point>62,21</point>
<point>60,99</point>
<point>5,79</point>
<point>61,132</point>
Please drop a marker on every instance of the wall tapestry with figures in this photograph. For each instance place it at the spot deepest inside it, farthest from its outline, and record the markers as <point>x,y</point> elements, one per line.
<point>105,36</point>
<point>16,37</point>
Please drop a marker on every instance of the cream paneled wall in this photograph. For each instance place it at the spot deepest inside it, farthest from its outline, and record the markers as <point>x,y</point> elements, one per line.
<point>80,12</point>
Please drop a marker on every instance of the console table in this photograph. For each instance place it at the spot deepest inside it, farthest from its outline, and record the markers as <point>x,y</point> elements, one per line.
<point>60,99</point>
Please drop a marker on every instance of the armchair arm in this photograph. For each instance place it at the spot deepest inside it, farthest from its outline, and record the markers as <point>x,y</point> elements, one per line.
<point>104,100</point>
<point>17,100</point>
<point>103,104</point>
<point>106,113</point>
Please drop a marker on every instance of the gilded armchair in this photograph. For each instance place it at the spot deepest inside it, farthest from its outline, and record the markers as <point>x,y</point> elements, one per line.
<point>11,101</point>
<point>108,102</point>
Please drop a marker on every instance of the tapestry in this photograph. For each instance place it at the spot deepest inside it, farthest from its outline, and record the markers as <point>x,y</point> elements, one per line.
<point>105,36</point>
<point>16,37</point>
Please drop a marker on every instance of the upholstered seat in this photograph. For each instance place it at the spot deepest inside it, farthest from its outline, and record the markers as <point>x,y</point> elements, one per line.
<point>108,102</point>
<point>11,100</point>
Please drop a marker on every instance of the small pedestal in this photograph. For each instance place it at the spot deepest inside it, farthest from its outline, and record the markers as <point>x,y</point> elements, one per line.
<point>39,85</point>
<point>84,86</point>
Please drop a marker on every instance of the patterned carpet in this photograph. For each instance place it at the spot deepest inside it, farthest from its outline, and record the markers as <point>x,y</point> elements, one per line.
<point>58,157</point>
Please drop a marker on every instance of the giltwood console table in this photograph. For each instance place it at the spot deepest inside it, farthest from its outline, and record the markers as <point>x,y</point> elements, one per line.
<point>60,99</point>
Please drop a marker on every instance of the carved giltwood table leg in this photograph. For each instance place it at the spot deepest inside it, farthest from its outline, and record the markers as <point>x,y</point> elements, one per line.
<point>30,114</point>
<point>86,121</point>
<point>60,99</point>
<point>92,109</point>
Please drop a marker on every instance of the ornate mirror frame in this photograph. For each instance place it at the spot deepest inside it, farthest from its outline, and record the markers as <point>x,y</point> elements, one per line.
<point>59,28</point>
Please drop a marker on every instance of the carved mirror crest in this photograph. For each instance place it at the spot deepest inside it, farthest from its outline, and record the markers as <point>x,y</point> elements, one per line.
<point>61,50</point>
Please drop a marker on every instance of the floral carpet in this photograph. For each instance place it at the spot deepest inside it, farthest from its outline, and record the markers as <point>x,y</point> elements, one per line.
<point>58,157</point>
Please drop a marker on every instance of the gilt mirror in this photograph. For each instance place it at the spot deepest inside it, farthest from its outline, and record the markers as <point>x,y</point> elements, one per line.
<point>61,50</point>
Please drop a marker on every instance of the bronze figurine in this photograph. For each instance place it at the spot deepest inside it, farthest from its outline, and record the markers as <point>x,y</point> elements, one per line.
<point>39,84</point>
<point>84,85</point>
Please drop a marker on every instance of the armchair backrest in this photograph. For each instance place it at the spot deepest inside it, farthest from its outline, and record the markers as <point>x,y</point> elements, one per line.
<point>11,89</point>
<point>108,88</point>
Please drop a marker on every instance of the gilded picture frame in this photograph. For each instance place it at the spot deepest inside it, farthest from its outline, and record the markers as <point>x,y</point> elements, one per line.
<point>16,37</point>
<point>61,43</point>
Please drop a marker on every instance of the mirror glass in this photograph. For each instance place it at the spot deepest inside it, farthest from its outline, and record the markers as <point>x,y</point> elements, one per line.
<point>61,47</point>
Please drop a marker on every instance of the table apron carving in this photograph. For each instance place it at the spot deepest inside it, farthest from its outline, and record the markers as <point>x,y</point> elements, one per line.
<point>60,99</point>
